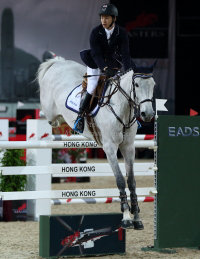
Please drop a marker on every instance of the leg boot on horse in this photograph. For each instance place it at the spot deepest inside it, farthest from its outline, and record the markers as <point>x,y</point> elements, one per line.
<point>126,222</point>
<point>135,210</point>
<point>79,123</point>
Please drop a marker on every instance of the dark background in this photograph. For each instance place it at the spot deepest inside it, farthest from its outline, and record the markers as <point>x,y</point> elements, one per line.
<point>187,55</point>
<point>146,23</point>
<point>187,43</point>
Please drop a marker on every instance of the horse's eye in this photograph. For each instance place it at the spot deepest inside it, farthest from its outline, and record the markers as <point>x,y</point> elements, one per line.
<point>136,84</point>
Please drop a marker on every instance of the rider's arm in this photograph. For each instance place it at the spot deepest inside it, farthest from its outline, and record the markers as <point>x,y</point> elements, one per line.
<point>96,51</point>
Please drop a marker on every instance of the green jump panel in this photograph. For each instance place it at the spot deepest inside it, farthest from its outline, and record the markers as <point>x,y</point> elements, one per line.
<point>81,235</point>
<point>177,222</point>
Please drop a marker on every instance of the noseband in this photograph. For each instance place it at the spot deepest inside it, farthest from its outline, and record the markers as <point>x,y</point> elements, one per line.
<point>136,103</point>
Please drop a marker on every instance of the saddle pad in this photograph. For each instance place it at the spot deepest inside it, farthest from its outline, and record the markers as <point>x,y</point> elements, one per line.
<point>74,99</point>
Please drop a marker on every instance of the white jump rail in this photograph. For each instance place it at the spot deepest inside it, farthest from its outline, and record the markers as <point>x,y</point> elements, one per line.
<point>72,194</point>
<point>78,170</point>
<point>63,144</point>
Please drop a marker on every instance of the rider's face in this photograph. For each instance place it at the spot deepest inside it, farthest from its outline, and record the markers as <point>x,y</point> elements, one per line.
<point>106,20</point>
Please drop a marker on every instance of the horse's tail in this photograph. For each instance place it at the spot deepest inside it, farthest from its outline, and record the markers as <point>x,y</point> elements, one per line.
<point>47,106</point>
<point>46,65</point>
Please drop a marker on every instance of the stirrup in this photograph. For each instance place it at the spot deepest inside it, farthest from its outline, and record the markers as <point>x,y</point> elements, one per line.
<point>79,125</point>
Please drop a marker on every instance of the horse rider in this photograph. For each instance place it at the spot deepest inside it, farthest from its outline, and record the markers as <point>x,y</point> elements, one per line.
<point>109,48</point>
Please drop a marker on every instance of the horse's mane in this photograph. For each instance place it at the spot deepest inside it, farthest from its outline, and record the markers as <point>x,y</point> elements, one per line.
<point>125,72</point>
<point>140,69</point>
<point>45,66</point>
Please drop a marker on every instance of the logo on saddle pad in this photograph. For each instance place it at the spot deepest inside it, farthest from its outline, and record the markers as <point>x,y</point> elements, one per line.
<point>183,131</point>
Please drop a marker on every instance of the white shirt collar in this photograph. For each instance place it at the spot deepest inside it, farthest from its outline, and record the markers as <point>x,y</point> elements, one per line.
<point>109,32</point>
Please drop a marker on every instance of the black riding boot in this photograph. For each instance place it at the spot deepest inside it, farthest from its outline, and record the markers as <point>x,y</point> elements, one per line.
<point>79,123</point>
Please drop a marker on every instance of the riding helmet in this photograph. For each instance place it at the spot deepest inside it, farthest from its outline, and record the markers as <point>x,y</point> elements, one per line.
<point>109,9</point>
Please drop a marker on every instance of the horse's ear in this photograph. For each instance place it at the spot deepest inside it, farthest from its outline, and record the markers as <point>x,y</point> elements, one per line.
<point>153,65</point>
<point>133,65</point>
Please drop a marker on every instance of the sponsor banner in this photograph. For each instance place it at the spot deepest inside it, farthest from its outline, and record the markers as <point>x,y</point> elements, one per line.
<point>19,211</point>
<point>82,235</point>
<point>146,23</point>
<point>14,210</point>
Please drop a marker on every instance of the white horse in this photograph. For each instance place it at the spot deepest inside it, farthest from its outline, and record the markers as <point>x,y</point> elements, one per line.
<point>116,123</point>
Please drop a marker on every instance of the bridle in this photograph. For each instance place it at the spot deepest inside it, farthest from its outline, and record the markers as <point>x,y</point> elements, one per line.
<point>131,98</point>
<point>137,104</point>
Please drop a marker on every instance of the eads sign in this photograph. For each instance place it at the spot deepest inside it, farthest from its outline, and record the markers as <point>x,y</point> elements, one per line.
<point>183,131</point>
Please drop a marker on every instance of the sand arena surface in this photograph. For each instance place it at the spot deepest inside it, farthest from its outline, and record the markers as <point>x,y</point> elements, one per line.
<point>21,239</point>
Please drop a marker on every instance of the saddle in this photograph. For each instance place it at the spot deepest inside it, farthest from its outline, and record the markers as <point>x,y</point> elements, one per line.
<point>96,96</point>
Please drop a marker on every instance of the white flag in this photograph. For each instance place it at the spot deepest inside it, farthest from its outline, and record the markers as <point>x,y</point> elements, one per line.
<point>160,105</point>
<point>20,104</point>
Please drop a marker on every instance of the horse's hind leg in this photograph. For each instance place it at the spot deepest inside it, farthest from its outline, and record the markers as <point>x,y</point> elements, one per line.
<point>111,152</point>
<point>128,153</point>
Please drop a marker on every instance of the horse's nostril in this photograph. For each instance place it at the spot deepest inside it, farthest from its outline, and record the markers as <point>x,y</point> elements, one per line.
<point>143,114</point>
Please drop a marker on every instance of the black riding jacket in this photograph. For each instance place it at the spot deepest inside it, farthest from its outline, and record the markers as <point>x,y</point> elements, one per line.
<point>103,54</point>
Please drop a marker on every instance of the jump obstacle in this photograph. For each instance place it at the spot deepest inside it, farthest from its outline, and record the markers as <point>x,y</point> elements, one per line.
<point>176,205</point>
<point>39,144</point>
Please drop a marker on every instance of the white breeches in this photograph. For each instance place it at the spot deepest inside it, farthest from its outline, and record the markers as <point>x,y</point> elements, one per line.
<point>93,80</point>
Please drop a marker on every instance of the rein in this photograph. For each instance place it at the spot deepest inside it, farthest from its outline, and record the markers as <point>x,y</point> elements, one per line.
<point>133,102</point>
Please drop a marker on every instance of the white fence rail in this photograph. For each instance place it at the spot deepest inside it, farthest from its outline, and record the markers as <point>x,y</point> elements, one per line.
<point>72,194</point>
<point>63,144</point>
<point>78,170</point>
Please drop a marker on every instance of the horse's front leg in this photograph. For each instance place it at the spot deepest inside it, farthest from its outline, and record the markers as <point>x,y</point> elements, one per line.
<point>111,152</point>
<point>128,153</point>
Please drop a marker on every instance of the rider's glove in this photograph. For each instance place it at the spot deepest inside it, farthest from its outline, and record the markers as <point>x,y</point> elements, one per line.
<point>110,72</point>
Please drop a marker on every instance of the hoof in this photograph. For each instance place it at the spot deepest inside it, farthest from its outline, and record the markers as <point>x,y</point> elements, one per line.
<point>127,224</point>
<point>138,225</point>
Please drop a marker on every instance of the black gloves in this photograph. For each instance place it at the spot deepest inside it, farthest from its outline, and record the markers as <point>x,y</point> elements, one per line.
<point>110,72</point>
